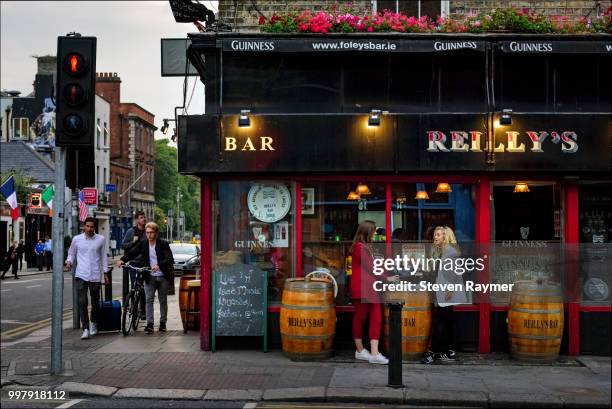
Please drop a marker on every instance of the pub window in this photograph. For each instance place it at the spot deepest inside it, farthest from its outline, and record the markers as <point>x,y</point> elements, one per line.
<point>329,223</point>
<point>366,83</point>
<point>461,79</point>
<point>412,84</point>
<point>285,83</point>
<point>98,132</point>
<point>582,84</point>
<point>522,83</point>
<point>254,228</point>
<point>431,8</point>
<point>105,136</point>
<point>21,128</point>
<point>595,229</point>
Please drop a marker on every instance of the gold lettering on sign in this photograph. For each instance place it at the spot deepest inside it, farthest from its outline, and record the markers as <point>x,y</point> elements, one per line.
<point>263,143</point>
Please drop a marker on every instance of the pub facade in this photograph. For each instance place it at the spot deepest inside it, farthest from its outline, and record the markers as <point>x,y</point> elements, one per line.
<point>507,139</point>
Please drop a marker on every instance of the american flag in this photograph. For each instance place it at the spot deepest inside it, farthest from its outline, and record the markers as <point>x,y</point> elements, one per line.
<point>82,207</point>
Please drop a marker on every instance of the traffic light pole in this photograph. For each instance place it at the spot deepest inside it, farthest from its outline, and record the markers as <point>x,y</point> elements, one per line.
<point>58,262</point>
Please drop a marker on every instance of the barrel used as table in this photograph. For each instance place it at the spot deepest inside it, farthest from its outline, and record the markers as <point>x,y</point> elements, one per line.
<point>186,276</point>
<point>416,323</point>
<point>307,319</point>
<point>535,320</point>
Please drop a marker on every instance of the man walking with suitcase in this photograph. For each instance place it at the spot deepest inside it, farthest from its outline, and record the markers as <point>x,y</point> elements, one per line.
<point>89,250</point>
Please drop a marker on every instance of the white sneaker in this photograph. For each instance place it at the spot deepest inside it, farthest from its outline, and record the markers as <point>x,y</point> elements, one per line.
<point>93,329</point>
<point>85,334</point>
<point>379,359</point>
<point>364,355</point>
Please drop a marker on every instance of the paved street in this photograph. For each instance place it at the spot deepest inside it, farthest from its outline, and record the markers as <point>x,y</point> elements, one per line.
<point>27,302</point>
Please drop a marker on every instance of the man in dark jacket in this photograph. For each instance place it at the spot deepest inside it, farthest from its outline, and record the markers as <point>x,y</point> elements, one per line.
<point>20,253</point>
<point>157,255</point>
<point>133,236</point>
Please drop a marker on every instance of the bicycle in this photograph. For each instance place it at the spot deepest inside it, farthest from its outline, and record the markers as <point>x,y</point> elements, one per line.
<point>130,317</point>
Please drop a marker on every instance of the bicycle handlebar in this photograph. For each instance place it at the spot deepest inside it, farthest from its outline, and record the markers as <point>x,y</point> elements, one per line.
<point>136,268</point>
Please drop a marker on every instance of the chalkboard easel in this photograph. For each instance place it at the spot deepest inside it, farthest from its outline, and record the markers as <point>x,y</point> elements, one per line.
<point>239,302</point>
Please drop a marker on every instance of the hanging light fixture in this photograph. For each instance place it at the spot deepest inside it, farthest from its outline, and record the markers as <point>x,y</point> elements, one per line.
<point>443,187</point>
<point>243,119</point>
<point>353,196</point>
<point>374,118</point>
<point>521,187</point>
<point>422,195</point>
<point>362,189</point>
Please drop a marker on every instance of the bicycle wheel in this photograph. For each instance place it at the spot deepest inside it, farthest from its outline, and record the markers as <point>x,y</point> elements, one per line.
<point>126,316</point>
<point>135,310</point>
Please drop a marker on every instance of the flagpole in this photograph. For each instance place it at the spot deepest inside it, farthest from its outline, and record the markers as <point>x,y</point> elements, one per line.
<point>58,262</point>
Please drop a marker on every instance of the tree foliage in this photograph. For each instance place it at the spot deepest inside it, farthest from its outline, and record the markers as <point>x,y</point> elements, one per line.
<point>167,179</point>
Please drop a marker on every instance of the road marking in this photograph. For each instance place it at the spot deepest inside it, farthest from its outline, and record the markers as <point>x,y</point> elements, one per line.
<point>33,286</point>
<point>3,291</point>
<point>14,322</point>
<point>250,405</point>
<point>31,327</point>
<point>24,281</point>
<point>69,403</point>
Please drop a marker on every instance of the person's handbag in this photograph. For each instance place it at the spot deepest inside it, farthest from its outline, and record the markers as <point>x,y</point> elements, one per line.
<point>110,314</point>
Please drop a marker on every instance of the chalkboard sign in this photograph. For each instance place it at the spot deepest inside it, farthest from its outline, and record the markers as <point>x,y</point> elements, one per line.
<point>239,302</point>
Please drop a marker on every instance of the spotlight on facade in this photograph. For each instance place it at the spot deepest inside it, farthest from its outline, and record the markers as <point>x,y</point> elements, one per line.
<point>353,196</point>
<point>243,119</point>
<point>443,187</point>
<point>362,189</point>
<point>164,128</point>
<point>374,119</point>
<point>506,117</point>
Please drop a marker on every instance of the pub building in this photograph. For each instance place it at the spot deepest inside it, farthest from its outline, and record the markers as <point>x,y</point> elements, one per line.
<point>505,138</point>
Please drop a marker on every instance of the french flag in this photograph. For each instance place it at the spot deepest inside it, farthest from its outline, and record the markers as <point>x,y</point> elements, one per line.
<point>8,191</point>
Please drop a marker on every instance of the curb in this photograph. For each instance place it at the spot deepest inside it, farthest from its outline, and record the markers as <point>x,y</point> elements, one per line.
<point>334,395</point>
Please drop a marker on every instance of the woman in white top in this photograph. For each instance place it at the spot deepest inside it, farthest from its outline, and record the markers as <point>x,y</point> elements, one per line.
<point>446,250</point>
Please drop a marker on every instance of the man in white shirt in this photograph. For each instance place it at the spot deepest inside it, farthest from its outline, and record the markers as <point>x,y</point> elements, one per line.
<point>89,249</point>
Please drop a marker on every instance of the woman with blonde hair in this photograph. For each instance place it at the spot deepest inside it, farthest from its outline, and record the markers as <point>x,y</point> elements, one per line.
<point>365,300</point>
<point>446,250</point>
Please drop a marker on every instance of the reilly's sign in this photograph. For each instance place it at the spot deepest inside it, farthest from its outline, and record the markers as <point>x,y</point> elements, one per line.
<point>514,141</point>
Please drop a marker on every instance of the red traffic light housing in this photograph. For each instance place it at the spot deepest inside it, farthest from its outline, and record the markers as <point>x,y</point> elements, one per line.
<point>76,89</point>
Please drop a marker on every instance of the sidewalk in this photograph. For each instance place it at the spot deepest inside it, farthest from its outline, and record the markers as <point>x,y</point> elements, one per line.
<point>171,366</point>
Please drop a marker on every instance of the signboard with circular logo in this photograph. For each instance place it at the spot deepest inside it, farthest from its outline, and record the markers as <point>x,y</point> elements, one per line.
<point>269,202</point>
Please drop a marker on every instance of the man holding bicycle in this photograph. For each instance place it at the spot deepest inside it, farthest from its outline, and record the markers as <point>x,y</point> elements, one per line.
<point>89,249</point>
<point>157,255</point>
<point>133,237</point>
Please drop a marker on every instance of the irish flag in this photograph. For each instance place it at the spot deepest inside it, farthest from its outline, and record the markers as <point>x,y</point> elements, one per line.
<point>10,194</point>
<point>47,197</point>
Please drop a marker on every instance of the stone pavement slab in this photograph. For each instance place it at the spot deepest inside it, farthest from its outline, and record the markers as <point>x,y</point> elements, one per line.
<point>588,401</point>
<point>78,388</point>
<point>523,400</point>
<point>191,394</point>
<point>445,398</point>
<point>234,394</point>
<point>312,394</point>
<point>366,395</point>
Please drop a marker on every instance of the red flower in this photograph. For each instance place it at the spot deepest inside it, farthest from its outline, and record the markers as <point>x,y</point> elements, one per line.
<point>262,20</point>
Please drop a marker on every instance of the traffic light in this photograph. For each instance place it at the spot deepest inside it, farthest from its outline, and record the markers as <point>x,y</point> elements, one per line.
<point>76,90</point>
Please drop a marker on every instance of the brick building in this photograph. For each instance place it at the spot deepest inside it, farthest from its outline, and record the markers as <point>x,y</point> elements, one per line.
<point>244,15</point>
<point>132,156</point>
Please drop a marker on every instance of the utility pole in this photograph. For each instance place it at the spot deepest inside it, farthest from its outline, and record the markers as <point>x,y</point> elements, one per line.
<point>57,306</point>
<point>178,212</point>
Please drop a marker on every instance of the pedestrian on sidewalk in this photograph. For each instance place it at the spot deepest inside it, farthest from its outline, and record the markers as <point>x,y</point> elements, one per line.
<point>366,301</point>
<point>133,237</point>
<point>89,250</point>
<point>157,255</point>
<point>11,260</point>
<point>48,253</point>
<point>446,249</point>
<point>39,250</point>
<point>20,253</point>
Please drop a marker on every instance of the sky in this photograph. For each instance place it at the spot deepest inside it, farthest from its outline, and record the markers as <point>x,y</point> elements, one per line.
<point>128,33</point>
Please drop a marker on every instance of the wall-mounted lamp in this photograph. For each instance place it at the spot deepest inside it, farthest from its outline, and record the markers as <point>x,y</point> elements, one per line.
<point>362,189</point>
<point>443,187</point>
<point>421,195</point>
<point>374,119</point>
<point>164,128</point>
<point>353,196</point>
<point>521,187</point>
<point>243,119</point>
<point>506,117</point>
<point>174,136</point>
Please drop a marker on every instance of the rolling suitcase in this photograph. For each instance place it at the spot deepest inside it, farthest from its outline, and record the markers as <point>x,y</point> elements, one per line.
<point>110,315</point>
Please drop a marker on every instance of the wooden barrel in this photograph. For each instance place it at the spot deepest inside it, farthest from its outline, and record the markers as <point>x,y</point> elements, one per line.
<point>416,323</point>
<point>307,319</point>
<point>535,320</point>
<point>187,275</point>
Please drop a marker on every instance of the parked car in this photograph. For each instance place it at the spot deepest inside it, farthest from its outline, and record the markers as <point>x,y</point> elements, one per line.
<point>184,256</point>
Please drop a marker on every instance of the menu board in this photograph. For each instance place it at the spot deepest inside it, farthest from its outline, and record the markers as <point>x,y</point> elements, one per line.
<point>239,292</point>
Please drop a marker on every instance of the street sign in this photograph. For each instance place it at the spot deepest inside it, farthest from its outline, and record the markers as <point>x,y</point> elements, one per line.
<point>90,195</point>
<point>35,201</point>
<point>110,187</point>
